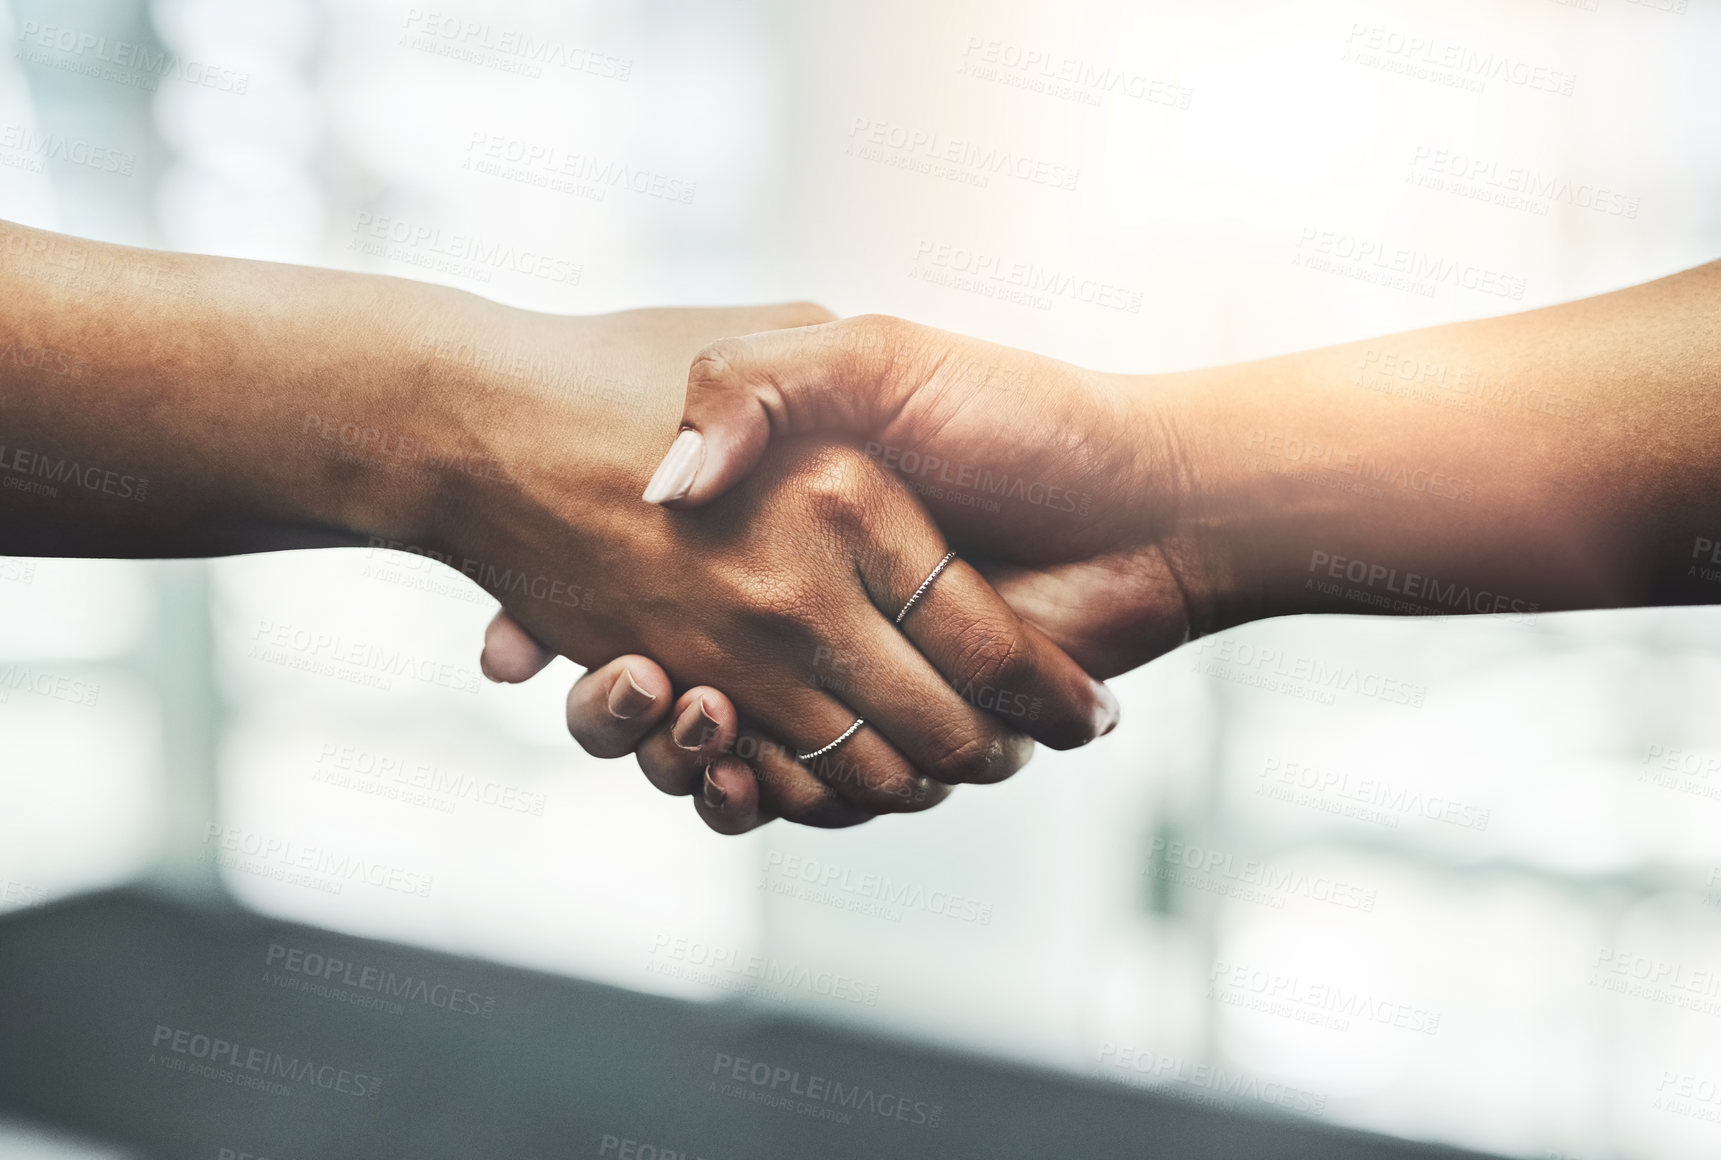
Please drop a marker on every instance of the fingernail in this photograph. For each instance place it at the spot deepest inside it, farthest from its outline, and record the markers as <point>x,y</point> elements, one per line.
<point>627,699</point>
<point>1106,710</point>
<point>484,667</point>
<point>674,476</point>
<point>694,727</point>
<point>713,793</point>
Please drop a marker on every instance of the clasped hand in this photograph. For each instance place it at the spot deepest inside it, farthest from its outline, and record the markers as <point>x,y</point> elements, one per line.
<point>817,543</point>
<point>783,591</point>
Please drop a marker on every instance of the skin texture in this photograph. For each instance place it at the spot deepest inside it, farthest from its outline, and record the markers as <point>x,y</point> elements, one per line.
<point>1561,458</point>
<point>275,407</point>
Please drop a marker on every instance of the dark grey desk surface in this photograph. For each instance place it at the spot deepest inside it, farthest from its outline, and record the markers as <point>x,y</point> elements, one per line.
<point>561,1068</point>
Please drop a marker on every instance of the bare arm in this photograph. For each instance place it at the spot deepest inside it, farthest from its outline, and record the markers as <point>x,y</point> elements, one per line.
<point>1562,458</point>
<point>1555,459</point>
<point>157,404</point>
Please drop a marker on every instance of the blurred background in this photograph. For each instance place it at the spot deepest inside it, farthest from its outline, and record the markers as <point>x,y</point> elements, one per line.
<point>1484,908</point>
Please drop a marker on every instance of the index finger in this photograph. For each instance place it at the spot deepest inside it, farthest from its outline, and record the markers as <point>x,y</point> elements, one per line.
<point>850,375</point>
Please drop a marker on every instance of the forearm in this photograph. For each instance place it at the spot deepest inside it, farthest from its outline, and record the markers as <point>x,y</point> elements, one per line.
<point>1557,459</point>
<point>156,404</point>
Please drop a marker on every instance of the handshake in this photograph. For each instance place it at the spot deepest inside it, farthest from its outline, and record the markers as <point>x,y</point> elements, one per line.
<point>827,569</point>
<point>877,561</point>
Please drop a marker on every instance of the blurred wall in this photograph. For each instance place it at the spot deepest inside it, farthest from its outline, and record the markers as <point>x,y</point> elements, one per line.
<point>1446,883</point>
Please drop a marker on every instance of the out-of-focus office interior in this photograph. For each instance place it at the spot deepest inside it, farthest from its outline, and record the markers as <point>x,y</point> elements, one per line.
<point>1448,880</point>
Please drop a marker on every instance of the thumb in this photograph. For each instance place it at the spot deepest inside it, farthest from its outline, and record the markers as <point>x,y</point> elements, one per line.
<point>511,654</point>
<point>852,375</point>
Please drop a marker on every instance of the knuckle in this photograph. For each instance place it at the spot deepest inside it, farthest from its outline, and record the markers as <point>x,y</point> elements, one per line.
<point>839,483</point>
<point>978,757</point>
<point>880,326</point>
<point>812,805</point>
<point>717,364</point>
<point>604,746</point>
<point>807,313</point>
<point>871,336</point>
<point>884,788</point>
<point>596,737</point>
<point>989,655</point>
<point>665,770</point>
<point>592,741</point>
<point>775,606</point>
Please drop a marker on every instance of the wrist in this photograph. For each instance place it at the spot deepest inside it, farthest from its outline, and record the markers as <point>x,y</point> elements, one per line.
<point>525,415</point>
<point>421,451</point>
<point>1179,534</point>
<point>1313,497</point>
<point>365,447</point>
